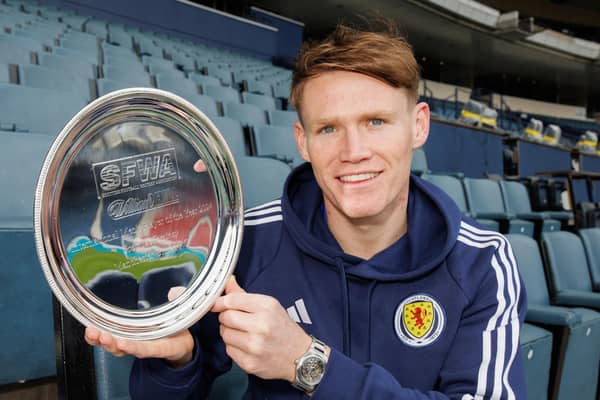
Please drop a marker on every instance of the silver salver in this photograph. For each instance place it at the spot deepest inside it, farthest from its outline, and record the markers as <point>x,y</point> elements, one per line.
<point>124,210</point>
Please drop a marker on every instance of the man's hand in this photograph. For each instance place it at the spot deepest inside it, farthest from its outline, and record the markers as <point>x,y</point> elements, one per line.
<point>176,349</point>
<point>258,333</point>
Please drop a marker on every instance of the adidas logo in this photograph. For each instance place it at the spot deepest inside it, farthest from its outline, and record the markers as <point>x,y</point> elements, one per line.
<point>298,312</point>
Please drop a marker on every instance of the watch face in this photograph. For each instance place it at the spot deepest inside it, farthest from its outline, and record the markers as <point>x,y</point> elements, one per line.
<point>312,370</point>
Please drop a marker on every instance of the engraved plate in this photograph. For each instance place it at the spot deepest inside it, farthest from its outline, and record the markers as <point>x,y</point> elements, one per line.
<point>121,215</point>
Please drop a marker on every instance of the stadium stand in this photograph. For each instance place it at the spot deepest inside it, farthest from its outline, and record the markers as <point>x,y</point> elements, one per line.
<point>570,282</point>
<point>486,202</point>
<point>590,238</point>
<point>27,334</point>
<point>576,339</point>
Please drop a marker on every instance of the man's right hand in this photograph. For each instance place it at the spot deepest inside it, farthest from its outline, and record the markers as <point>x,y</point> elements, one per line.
<point>177,349</point>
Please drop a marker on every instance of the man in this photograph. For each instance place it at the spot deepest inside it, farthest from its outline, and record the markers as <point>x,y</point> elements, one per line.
<point>362,282</point>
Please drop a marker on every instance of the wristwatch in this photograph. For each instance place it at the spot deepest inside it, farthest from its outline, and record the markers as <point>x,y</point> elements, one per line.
<point>310,367</point>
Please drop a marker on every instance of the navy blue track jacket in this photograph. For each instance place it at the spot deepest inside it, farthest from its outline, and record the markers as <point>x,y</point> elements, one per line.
<point>434,316</point>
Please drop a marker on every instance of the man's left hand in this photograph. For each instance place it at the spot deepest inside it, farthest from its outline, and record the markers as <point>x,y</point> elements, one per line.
<point>258,333</point>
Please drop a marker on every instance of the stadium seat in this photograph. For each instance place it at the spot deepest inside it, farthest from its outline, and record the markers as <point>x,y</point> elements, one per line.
<point>517,202</point>
<point>178,85</point>
<point>276,142</point>
<point>108,85</point>
<point>132,74</point>
<point>26,334</point>
<point>258,87</point>
<point>233,134</point>
<point>281,91</point>
<point>222,94</point>
<point>205,80</point>
<point>419,162</point>
<point>89,56</point>
<point>453,187</point>
<point>576,331</point>
<point>22,42</point>
<point>536,352</point>
<point>261,101</point>
<point>485,202</point>
<point>67,64</point>
<point>224,75</point>
<point>282,118</point>
<point>112,375</point>
<point>14,54</point>
<point>262,179</point>
<point>36,110</point>
<point>247,114</point>
<point>590,238</point>
<point>570,282</point>
<point>55,79</point>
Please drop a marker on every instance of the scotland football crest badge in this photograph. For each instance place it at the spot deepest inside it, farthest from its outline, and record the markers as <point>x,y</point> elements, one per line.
<point>419,320</point>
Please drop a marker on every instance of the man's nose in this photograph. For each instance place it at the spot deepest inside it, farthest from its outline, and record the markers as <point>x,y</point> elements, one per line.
<point>355,146</point>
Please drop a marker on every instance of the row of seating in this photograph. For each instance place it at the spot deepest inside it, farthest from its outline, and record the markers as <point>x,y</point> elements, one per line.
<point>562,318</point>
<point>503,206</point>
<point>562,351</point>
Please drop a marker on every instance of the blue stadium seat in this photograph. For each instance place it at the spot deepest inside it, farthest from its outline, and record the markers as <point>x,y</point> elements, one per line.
<point>178,85</point>
<point>205,80</point>
<point>132,74</point>
<point>454,188</point>
<point>232,132</point>
<point>419,162</point>
<point>277,142</point>
<point>4,73</point>
<point>576,330</point>
<point>518,203</point>
<point>89,56</point>
<point>262,179</point>
<point>570,282</point>
<point>55,79</point>
<point>222,94</point>
<point>590,238</point>
<point>26,334</point>
<point>112,375</point>
<point>184,62</point>
<point>108,85</point>
<point>67,64</point>
<point>536,352</point>
<point>282,118</point>
<point>258,87</point>
<point>14,54</point>
<point>22,42</point>
<point>36,110</point>
<point>223,74</point>
<point>485,202</point>
<point>97,28</point>
<point>281,91</point>
<point>261,101</point>
<point>118,36</point>
<point>206,104</point>
<point>115,54</point>
<point>247,114</point>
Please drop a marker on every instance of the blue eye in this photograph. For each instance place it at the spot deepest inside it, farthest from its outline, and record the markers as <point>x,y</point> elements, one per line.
<point>327,129</point>
<point>376,121</point>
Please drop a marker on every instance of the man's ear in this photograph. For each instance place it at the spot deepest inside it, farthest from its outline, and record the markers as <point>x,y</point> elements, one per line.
<point>421,131</point>
<point>301,139</point>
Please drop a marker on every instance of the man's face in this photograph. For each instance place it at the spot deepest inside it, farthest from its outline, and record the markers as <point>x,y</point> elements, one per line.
<point>359,134</point>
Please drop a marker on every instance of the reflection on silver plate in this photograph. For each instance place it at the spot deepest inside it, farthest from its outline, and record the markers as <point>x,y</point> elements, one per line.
<point>124,211</point>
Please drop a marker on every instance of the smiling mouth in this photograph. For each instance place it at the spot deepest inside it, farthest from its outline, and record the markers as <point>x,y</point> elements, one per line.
<point>358,177</point>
